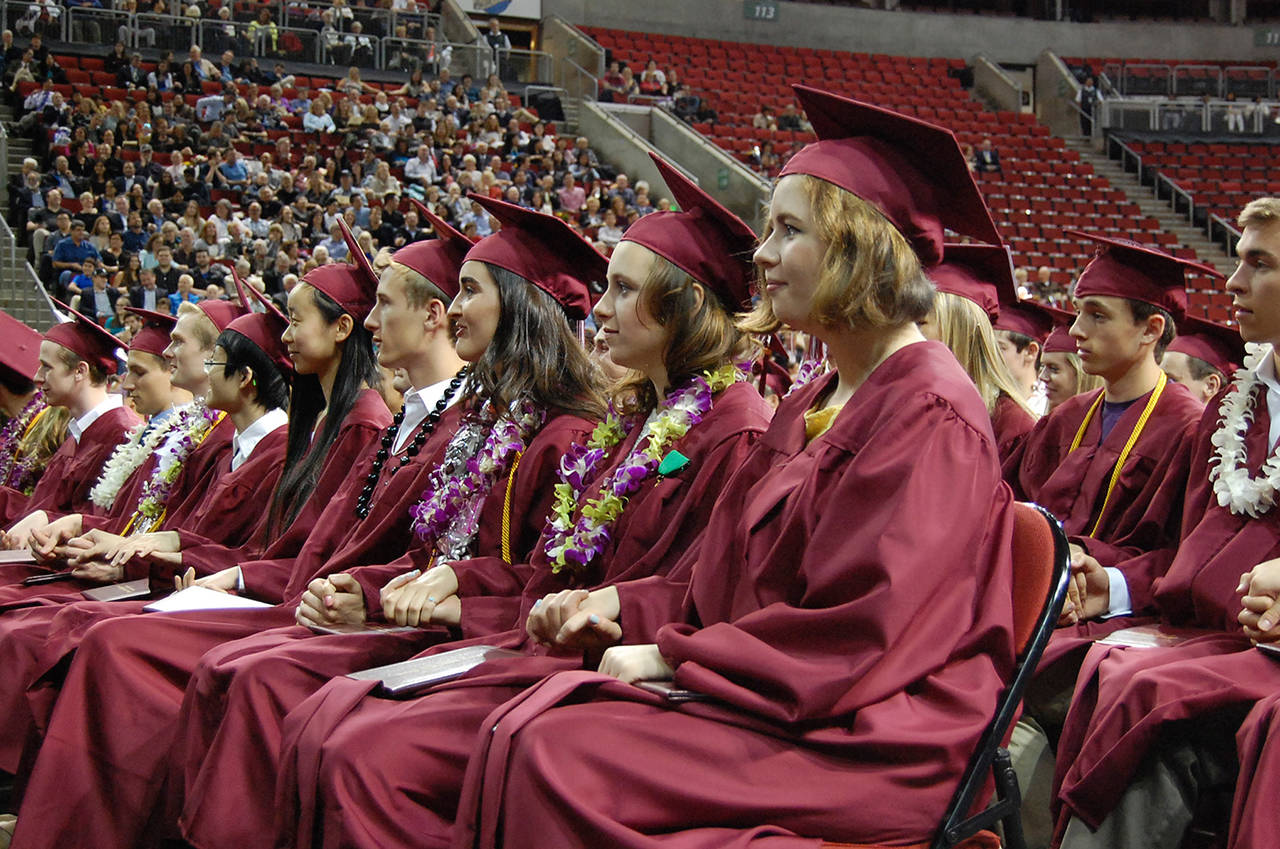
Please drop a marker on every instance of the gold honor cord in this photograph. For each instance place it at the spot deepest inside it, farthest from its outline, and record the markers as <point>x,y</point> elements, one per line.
<point>31,425</point>
<point>506,509</point>
<point>1128,446</point>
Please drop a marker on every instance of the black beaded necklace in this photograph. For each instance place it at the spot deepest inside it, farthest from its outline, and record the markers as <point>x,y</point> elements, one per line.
<point>425,430</point>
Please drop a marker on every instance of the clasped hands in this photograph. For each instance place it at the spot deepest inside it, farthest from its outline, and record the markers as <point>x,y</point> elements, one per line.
<point>1089,591</point>
<point>582,620</point>
<point>1260,605</point>
<point>415,599</point>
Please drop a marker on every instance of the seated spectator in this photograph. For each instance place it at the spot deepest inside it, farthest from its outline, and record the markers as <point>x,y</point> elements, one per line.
<point>83,280</point>
<point>572,196</point>
<point>147,295</point>
<point>317,120</point>
<point>765,119</point>
<point>609,233</point>
<point>987,160</point>
<point>185,292</point>
<point>97,299</point>
<point>653,83</point>
<point>790,119</point>
<point>335,245</point>
<point>612,85</point>
<point>70,254</point>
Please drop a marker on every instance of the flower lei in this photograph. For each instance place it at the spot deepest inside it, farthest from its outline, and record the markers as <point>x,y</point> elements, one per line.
<point>193,426</point>
<point>810,370</point>
<point>457,487</point>
<point>575,544</point>
<point>16,471</point>
<point>1229,470</point>
<point>139,444</point>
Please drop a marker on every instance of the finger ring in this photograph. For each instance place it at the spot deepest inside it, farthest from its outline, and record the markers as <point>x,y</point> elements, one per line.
<point>431,599</point>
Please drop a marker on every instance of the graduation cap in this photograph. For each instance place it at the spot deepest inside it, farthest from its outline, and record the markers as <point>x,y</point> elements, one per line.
<point>703,239</point>
<point>222,313</point>
<point>1216,344</point>
<point>351,287</point>
<point>912,171</point>
<point>1060,341</point>
<point>1029,318</point>
<point>438,259</point>
<point>543,250</point>
<point>263,328</point>
<point>87,339</point>
<point>19,346</point>
<point>1138,272</point>
<point>153,338</point>
<point>982,274</point>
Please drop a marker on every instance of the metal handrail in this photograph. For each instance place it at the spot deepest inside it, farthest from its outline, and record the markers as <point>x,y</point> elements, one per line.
<point>1229,234</point>
<point>590,86</point>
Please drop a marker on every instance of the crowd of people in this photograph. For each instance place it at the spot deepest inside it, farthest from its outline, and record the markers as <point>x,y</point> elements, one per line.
<point>154,200</point>
<point>398,446</point>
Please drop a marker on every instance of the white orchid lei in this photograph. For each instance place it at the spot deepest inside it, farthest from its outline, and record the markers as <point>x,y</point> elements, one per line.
<point>195,422</point>
<point>139,444</point>
<point>448,512</point>
<point>1228,468</point>
<point>575,543</point>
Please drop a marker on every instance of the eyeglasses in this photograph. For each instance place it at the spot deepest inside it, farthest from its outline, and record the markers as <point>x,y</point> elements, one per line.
<point>209,364</point>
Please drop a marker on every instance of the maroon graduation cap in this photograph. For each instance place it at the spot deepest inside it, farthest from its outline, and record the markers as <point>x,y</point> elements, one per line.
<point>982,274</point>
<point>19,346</point>
<point>351,286</point>
<point>912,171</point>
<point>262,328</point>
<point>1128,269</point>
<point>153,338</point>
<point>543,250</point>
<point>704,239</point>
<point>86,338</point>
<point>438,259</point>
<point>1218,345</point>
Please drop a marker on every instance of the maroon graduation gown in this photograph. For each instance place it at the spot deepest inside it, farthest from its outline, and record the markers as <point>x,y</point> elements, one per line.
<point>1011,424</point>
<point>362,427</point>
<point>1253,813</point>
<point>1143,520</point>
<point>199,474</point>
<point>138,667</point>
<point>72,470</point>
<point>1125,696</point>
<point>33,641</point>
<point>852,601</point>
<point>244,693</point>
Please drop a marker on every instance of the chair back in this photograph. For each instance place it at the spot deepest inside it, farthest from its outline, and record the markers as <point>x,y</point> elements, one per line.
<point>1041,571</point>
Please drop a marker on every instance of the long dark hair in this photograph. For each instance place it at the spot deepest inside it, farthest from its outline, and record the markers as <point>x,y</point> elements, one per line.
<point>357,368</point>
<point>534,355</point>
<point>242,353</point>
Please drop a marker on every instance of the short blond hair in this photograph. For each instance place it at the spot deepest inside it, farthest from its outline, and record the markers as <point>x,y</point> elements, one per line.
<point>418,290</point>
<point>1259,212</point>
<point>870,276</point>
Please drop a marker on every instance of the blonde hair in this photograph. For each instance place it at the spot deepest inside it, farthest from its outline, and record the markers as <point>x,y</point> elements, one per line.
<point>700,337</point>
<point>205,331</point>
<point>870,277</point>
<point>1259,211</point>
<point>1085,382</point>
<point>418,290</point>
<point>42,439</point>
<point>965,329</point>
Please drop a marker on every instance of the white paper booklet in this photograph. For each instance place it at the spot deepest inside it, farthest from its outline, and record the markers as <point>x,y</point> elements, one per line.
<point>201,598</point>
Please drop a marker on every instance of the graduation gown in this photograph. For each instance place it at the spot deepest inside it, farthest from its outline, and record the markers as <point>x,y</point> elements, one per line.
<point>1011,424</point>
<point>1141,527</point>
<point>72,470</point>
<point>851,617</point>
<point>1124,697</point>
<point>199,474</point>
<point>1253,812</point>
<point>244,694</point>
<point>35,641</point>
<point>116,715</point>
<point>362,427</point>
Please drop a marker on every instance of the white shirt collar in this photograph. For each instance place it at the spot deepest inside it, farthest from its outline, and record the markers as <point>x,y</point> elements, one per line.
<point>243,443</point>
<point>1266,373</point>
<point>78,426</point>
<point>417,404</point>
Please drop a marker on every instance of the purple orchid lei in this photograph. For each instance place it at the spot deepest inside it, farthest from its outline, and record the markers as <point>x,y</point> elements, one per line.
<point>18,472</point>
<point>575,543</point>
<point>447,513</point>
<point>810,370</point>
<point>197,421</point>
